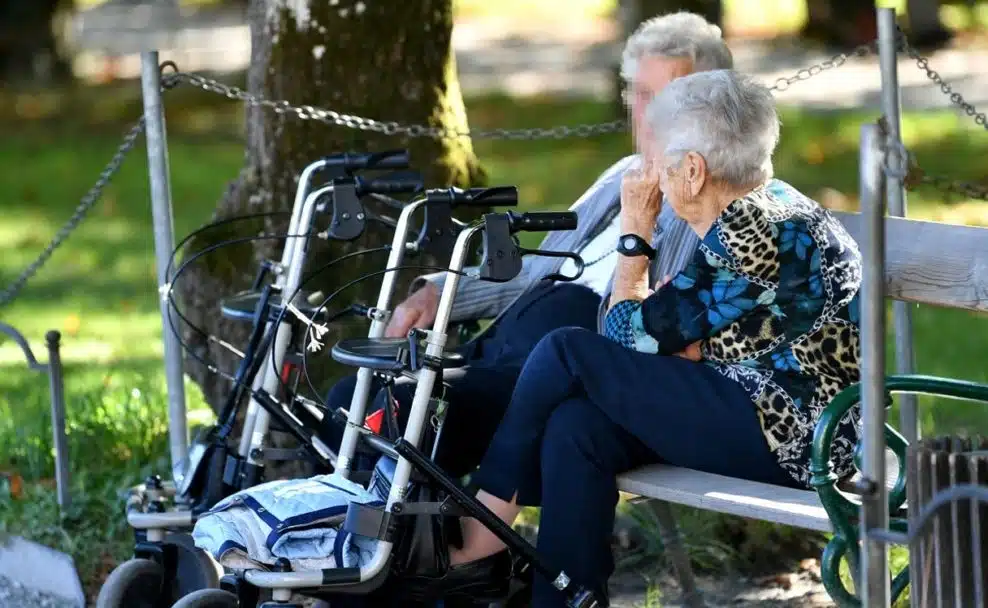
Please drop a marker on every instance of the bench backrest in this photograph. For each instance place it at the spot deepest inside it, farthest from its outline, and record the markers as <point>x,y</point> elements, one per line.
<point>932,263</point>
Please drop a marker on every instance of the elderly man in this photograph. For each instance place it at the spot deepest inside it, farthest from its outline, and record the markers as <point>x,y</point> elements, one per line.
<point>528,308</point>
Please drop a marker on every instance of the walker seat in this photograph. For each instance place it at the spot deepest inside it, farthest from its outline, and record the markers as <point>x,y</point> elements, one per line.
<point>243,306</point>
<point>392,355</point>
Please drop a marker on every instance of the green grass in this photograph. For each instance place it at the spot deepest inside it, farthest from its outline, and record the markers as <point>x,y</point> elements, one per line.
<point>99,288</point>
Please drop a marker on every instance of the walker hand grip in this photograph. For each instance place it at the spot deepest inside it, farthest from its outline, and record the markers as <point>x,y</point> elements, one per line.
<point>405,183</point>
<point>389,159</point>
<point>500,196</point>
<point>542,221</point>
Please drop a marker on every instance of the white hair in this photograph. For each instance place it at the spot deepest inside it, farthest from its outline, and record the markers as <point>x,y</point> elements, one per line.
<point>723,115</point>
<point>676,35</point>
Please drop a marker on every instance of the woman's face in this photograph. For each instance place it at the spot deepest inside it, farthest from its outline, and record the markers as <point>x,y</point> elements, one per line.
<point>670,179</point>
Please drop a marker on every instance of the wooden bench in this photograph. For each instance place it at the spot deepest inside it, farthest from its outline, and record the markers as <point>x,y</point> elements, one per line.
<point>926,263</point>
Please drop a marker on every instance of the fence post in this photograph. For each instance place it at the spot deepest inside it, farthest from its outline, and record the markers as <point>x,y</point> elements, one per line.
<point>876,588</point>
<point>895,193</point>
<point>161,208</point>
<point>56,386</point>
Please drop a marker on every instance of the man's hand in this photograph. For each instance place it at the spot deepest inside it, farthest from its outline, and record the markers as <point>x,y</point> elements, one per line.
<point>418,311</point>
<point>691,352</point>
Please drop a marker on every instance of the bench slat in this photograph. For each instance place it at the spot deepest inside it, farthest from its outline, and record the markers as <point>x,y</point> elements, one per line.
<point>932,263</point>
<point>711,492</point>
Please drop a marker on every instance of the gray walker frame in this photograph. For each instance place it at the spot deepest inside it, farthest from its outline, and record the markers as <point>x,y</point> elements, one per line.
<point>282,583</point>
<point>288,276</point>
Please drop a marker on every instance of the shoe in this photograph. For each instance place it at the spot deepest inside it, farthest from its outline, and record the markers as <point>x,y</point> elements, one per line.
<point>483,580</point>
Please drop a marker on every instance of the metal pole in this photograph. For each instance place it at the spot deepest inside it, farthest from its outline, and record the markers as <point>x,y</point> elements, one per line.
<point>876,589</point>
<point>56,387</point>
<point>895,196</point>
<point>161,208</point>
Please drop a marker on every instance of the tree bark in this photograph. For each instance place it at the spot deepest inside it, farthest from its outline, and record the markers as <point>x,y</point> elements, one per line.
<point>840,23</point>
<point>29,47</point>
<point>390,61</point>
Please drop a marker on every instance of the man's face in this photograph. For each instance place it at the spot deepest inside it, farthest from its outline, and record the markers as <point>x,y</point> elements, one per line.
<point>654,73</point>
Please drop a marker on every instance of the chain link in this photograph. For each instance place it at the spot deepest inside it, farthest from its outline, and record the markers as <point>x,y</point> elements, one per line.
<point>308,112</point>
<point>956,98</point>
<point>81,210</point>
<point>916,175</point>
<point>783,83</point>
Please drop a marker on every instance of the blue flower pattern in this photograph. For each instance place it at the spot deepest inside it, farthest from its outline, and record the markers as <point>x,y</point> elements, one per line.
<point>719,289</point>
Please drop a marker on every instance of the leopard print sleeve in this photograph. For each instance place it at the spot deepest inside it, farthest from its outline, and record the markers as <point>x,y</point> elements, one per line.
<point>698,302</point>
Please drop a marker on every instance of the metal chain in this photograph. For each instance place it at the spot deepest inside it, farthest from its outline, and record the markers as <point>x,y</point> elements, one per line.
<point>924,64</point>
<point>783,83</point>
<point>81,210</point>
<point>308,112</point>
<point>915,174</point>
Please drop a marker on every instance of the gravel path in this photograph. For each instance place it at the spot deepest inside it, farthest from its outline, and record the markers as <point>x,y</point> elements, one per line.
<point>15,595</point>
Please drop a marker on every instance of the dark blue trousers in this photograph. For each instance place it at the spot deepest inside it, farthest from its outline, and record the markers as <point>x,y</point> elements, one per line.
<point>586,409</point>
<point>479,392</point>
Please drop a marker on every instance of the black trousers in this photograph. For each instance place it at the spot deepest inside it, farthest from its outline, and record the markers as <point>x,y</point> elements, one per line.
<point>479,392</point>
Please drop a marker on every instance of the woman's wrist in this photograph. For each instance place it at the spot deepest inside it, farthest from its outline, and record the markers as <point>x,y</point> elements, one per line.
<point>635,224</point>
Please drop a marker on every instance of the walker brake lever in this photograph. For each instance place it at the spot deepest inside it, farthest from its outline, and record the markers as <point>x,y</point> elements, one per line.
<point>556,276</point>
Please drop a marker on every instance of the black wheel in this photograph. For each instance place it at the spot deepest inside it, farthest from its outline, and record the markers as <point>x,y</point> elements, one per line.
<point>208,598</point>
<point>193,568</point>
<point>136,583</point>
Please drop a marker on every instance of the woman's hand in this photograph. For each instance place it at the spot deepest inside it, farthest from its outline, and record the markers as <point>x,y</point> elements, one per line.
<point>641,199</point>
<point>691,352</point>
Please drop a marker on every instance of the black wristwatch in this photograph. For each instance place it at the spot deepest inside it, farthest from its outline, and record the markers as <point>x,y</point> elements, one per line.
<point>633,245</point>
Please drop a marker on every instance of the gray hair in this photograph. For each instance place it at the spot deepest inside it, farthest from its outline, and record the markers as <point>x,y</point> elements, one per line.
<point>679,34</point>
<point>723,115</point>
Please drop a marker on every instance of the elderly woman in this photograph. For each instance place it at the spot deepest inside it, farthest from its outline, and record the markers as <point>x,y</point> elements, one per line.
<point>771,298</point>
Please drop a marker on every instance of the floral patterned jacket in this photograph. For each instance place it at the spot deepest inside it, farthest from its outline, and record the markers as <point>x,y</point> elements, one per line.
<point>772,292</point>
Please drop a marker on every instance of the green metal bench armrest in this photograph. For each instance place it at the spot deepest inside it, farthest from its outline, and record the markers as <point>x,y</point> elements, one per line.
<point>842,512</point>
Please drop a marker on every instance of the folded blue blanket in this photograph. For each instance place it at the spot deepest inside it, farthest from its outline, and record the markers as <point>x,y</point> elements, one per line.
<point>296,519</point>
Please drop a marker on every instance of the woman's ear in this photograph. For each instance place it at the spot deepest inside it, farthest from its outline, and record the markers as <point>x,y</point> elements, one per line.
<point>695,173</point>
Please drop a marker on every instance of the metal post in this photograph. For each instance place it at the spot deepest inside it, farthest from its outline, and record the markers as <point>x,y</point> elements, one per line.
<point>895,196</point>
<point>876,591</point>
<point>161,208</point>
<point>56,387</point>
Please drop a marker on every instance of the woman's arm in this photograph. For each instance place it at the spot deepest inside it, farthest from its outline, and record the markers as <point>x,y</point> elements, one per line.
<point>694,305</point>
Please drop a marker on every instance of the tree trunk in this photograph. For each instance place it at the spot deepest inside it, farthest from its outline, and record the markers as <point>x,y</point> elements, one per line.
<point>631,14</point>
<point>29,47</point>
<point>926,30</point>
<point>390,61</point>
<point>840,23</point>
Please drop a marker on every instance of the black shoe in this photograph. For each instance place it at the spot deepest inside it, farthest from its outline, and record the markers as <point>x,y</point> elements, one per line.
<point>483,580</point>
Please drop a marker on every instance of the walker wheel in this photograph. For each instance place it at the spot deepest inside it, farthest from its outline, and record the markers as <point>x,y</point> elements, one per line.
<point>208,598</point>
<point>136,583</point>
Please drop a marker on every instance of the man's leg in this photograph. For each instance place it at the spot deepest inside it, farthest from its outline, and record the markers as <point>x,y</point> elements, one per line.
<point>477,397</point>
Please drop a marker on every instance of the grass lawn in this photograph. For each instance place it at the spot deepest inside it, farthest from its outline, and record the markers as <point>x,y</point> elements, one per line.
<point>99,288</point>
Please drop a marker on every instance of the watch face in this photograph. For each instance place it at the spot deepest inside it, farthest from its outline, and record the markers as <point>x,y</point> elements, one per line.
<point>628,243</point>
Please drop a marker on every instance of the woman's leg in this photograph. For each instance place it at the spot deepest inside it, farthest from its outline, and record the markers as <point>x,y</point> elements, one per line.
<point>583,452</point>
<point>687,413</point>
